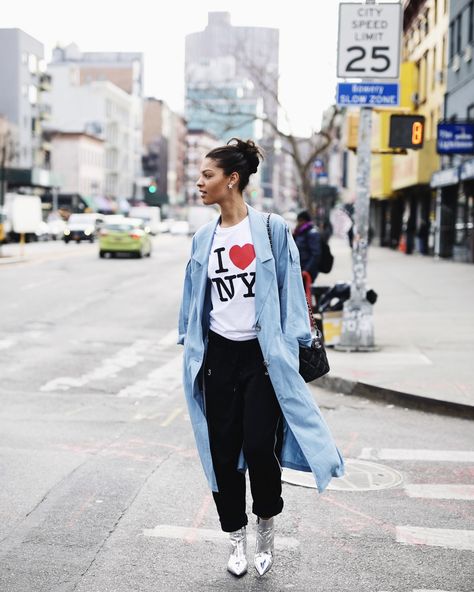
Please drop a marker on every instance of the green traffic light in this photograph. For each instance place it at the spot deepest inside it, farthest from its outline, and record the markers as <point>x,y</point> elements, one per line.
<point>152,189</point>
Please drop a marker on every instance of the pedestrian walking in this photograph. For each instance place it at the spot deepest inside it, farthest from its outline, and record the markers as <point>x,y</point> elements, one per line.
<point>242,318</point>
<point>309,242</point>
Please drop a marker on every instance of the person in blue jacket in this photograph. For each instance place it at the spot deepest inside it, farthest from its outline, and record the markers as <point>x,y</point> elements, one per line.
<point>308,240</point>
<point>243,316</point>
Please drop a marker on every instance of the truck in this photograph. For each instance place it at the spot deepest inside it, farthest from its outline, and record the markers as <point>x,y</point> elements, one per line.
<point>151,215</point>
<point>22,214</point>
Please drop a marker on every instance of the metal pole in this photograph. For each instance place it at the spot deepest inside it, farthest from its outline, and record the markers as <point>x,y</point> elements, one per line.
<point>357,322</point>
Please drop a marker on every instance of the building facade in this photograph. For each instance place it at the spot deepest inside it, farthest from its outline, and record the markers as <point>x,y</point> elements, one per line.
<point>102,109</point>
<point>454,182</point>
<point>78,160</point>
<point>198,144</point>
<point>23,81</point>
<point>124,72</point>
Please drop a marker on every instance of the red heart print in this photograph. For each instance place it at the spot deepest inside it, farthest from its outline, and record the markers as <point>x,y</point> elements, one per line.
<point>243,256</point>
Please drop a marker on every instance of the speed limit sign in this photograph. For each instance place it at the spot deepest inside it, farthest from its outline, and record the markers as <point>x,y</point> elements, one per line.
<point>369,40</point>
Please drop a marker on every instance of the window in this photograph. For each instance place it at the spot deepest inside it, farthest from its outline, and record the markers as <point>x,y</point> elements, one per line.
<point>470,111</point>
<point>32,63</point>
<point>470,26</point>
<point>426,21</point>
<point>451,40</point>
<point>458,33</point>
<point>443,54</point>
<point>433,69</point>
<point>435,12</point>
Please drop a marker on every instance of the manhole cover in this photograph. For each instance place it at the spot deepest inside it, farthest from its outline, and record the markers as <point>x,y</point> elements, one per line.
<point>361,475</point>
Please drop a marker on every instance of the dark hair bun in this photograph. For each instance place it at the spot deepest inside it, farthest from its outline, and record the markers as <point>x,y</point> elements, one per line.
<point>250,151</point>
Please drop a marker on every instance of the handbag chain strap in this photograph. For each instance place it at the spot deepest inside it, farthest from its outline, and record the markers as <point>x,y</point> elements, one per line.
<point>313,324</point>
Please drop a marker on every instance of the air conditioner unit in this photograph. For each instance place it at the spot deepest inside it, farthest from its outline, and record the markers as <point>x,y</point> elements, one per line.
<point>439,76</point>
<point>468,53</point>
<point>456,63</point>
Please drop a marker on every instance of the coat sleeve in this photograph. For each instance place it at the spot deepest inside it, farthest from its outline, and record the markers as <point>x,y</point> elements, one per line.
<point>294,313</point>
<point>185,302</point>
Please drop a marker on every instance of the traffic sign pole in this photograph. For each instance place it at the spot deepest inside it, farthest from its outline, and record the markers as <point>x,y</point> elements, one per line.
<point>369,48</point>
<point>357,333</point>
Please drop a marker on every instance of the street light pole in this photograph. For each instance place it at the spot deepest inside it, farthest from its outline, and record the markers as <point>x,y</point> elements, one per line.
<point>357,332</point>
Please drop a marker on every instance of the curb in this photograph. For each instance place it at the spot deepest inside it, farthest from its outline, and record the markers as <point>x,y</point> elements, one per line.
<point>410,400</point>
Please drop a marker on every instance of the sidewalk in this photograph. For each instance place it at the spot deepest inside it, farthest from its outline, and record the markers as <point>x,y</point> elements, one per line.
<point>424,327</point>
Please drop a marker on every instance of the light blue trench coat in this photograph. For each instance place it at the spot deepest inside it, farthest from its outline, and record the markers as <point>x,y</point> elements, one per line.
<point>282,321</point>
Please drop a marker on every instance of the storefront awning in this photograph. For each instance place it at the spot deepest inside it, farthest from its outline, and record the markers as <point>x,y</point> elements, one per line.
<point>445,177</point>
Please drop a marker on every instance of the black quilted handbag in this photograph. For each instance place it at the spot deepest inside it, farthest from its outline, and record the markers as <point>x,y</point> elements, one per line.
<point>313,360</point>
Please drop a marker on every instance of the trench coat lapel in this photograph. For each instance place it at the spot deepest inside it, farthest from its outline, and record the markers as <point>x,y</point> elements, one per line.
<point>201,261</point>
<point>265,267</point>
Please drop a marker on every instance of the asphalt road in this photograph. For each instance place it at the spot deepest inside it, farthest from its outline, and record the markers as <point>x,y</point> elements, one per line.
<point>101,489</point>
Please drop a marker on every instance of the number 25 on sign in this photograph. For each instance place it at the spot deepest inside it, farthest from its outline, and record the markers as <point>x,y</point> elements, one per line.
<point>369,40</point>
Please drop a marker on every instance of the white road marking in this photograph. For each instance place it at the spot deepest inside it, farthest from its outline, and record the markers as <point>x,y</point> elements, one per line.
<point>6,343</point>
<point>424,455</point>
<point>163,380</point>
<point>171,417</point>
<point>206,534</point>
<point>424,590</point>
<point>448,538</point>
<point>441,491</point>
<point>170,338</point>
<point>110,367</point>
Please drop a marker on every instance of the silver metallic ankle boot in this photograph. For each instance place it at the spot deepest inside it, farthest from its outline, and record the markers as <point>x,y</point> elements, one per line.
<point>237,563</point>
<point>264,548</point>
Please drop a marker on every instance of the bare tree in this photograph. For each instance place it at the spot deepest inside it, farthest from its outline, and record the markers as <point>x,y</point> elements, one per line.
<point>228,112</point>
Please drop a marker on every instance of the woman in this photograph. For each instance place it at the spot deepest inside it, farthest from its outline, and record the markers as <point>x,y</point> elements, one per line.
<point>242,317</point>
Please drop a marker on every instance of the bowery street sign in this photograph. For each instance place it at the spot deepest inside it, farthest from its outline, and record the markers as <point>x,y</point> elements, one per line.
<point>367,94</point>
<point>369,40</point>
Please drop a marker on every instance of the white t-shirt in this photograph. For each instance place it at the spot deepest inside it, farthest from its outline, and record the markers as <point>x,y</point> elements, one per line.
<point>232,274</point>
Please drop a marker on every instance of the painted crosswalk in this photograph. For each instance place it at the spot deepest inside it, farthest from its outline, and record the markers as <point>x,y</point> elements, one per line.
<point>447,538</point>
<point>165,378</point>
<point>417,455</point>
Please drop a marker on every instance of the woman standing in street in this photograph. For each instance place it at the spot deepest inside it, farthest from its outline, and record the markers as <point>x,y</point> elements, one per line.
<point>243,316</point>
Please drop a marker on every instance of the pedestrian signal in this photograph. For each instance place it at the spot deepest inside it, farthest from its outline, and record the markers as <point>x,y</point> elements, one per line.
<point>406,131</point>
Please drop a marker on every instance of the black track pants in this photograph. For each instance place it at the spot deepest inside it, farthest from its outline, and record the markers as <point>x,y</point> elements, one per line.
<point>242,413</point>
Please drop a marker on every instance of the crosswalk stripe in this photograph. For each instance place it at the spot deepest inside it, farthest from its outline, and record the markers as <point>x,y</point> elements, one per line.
<point>441,491</point>
<point>448,538</point>
<point>124,358</point>
<point>6,343</point>
<point>170,338</point>
<point>164,380</point>
<point>207,534</point>
<point>420,454</point>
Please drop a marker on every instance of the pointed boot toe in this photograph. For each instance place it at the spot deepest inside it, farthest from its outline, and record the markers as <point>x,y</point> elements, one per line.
<point>265,543</point>
<point>263,563</point>
<point>237,564</point>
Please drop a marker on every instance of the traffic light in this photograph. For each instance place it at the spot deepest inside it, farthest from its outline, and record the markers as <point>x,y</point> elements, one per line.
<point>152,187</point>
<point>406,131</point>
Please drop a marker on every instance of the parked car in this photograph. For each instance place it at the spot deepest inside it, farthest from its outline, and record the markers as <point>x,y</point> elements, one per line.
<point>82,227</point>
<point>126,236</point>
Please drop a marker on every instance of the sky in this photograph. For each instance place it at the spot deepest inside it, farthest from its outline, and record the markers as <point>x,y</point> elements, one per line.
<point>308,41</point>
